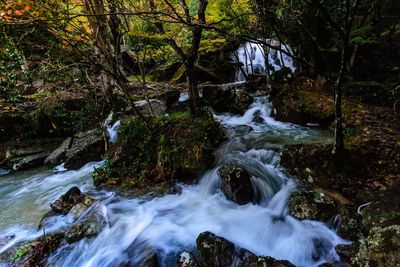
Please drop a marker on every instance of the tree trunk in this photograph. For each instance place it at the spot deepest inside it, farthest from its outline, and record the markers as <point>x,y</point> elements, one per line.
<point>339,137</point>
<point>194,101</point>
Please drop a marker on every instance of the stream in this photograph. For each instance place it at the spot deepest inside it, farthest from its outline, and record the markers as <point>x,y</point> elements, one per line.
<point>171,223</point>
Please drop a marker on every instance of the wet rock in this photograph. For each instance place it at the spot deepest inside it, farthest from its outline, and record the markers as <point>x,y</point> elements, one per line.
<point>79,209</point>
<point>312,205</point>
<point>215,251</point>
<point>245,258</point>
<point>86,147</point>
<point>236,184</point>
<point>169,97</point>
<point>242,129</point>
<point>152,107</point>
<point>257,117</point>
<point>58,155</point>
<point>90,226</point>
<point>187,259</point>
<point>149,261</point>
<point>32,253</point>
<point>72,197</point>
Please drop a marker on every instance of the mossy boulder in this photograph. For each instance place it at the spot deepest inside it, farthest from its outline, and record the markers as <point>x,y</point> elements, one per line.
<point>160,149</point>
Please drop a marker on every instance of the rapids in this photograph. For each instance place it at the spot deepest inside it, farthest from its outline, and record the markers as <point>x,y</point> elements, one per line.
<point>171,223</point>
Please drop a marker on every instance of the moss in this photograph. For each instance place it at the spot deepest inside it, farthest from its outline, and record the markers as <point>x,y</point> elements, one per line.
<point>162,149</point>
<point>381,248</point>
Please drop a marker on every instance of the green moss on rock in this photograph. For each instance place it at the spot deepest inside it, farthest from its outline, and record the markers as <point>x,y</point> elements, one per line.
<point>381,248</point>
<point>163,148</point>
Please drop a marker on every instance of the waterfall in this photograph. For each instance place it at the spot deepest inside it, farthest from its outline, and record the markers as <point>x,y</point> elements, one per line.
<point>252,58</point>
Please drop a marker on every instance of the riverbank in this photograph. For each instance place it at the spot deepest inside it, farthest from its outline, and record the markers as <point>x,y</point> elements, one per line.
<point>365,189</point>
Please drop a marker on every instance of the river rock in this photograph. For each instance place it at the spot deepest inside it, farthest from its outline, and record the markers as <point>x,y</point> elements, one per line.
<point>86,147</point>
<point>312,205</point>
<point>169,97</point>
<point>187,259</point>
<point>32,253</point>
<point>152,107</point>
<point>242,130</point>
<point>89,226</point>
<point>58,155</point>
<point>150,260</point>
<point>72,197</point>
<point>245,258</point>
<point>215,251</point>
<point>236,184</point>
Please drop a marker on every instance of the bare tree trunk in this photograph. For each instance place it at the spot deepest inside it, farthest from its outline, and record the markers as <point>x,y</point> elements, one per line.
<point>339,137</point>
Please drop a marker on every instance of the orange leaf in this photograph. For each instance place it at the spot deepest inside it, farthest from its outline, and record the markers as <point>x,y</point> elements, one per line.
<point>27,8</point>
<point>18,12</point>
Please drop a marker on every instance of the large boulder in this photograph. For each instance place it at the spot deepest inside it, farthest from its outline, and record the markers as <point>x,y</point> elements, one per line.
<point>236,184</point>
<point>86,147</point>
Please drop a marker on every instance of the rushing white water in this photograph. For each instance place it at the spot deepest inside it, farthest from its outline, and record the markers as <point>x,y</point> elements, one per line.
<point>112,131</point>
<point>252,57</point>
<point>170,224</point>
